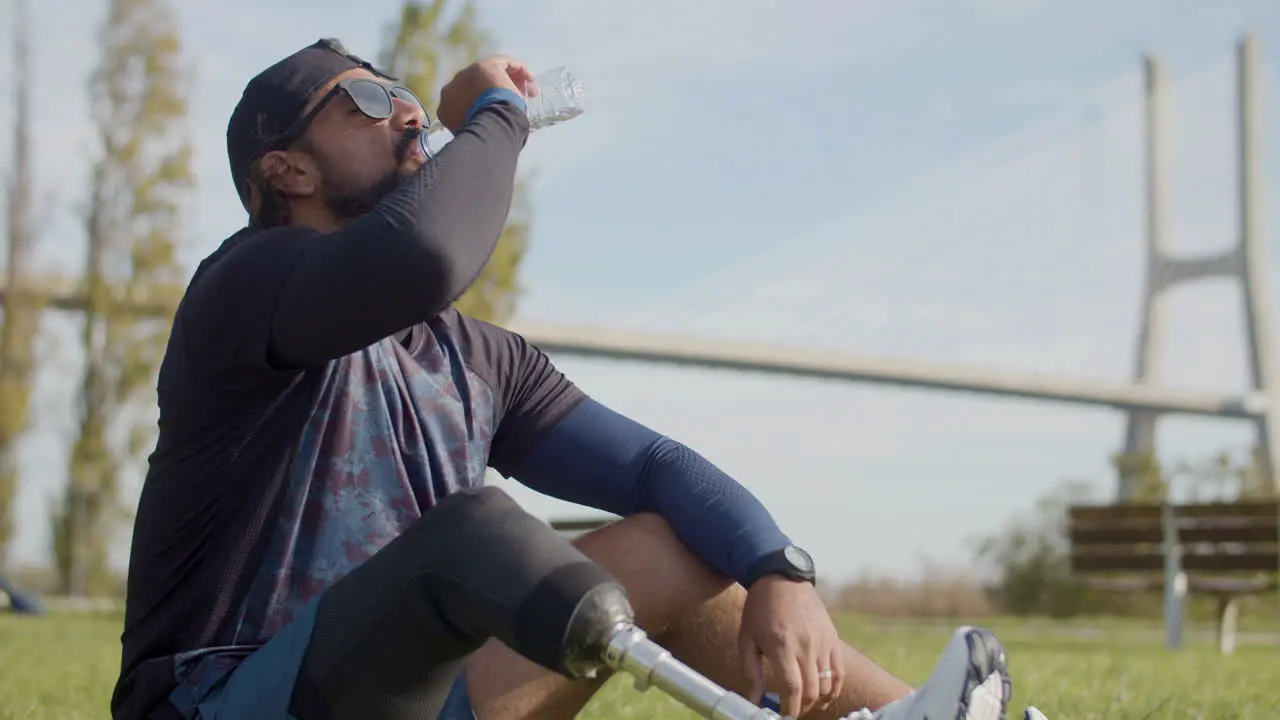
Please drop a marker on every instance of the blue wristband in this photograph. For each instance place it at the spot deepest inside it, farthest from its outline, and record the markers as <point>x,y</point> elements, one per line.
<point>496,95</point>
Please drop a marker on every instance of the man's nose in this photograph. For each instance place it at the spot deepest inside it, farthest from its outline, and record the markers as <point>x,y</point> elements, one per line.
<point>407,114</point>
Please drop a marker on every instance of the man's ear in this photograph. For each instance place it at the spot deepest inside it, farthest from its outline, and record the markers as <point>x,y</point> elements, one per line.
<point>292,174</point>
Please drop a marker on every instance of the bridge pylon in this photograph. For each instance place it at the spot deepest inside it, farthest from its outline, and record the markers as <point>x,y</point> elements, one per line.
<point>1244,262</point>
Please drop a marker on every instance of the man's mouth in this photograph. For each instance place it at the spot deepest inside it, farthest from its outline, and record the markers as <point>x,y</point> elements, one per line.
<point>413,146</point>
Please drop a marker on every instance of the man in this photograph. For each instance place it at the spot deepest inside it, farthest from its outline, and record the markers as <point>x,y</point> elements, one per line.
<point>313,540</point>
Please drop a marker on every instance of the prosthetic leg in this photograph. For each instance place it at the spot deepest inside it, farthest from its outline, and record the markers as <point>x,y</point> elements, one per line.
<point>391,636</point>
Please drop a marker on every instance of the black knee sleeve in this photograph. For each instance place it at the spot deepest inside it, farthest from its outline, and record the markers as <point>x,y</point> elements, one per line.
<point>525,584</point>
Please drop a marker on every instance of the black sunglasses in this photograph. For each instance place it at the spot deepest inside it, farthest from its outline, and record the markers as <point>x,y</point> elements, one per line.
<point>373,98</point>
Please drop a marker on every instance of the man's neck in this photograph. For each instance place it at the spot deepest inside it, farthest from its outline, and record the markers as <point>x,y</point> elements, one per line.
<point>316,218</point>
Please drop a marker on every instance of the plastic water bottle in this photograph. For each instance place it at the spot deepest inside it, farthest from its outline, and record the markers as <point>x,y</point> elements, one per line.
<point>558,97</point>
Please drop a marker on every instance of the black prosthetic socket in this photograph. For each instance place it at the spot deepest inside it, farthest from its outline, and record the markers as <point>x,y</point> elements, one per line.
<point>391,635</point>
<point>572,612</point>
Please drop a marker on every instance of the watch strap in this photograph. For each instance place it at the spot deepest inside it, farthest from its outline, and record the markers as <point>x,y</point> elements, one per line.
<point>778,563</point>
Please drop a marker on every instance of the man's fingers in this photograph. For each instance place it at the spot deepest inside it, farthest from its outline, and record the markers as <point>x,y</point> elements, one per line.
<point>752,669</point>
<point>526,81</point>
<point>835,662</point>
<point>523,77</point>
<point>519,73</point>
<point>787,670</point>
<point>825,677</point>
<point>813,664</point>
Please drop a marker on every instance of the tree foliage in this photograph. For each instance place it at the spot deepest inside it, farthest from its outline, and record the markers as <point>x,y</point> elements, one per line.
<point>1029,558</point>
<point>424,47</point>
<point>1224,478</point>
<point>1149,477</point>
<point>136,193</point>
<point>22,305</point>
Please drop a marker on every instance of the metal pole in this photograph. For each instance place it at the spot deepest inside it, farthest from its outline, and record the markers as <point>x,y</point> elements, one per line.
<point>1175,580</point>
<point>631,651</point>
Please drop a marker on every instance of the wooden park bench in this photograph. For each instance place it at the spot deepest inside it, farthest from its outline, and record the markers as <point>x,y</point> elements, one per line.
<point>1225,550</point>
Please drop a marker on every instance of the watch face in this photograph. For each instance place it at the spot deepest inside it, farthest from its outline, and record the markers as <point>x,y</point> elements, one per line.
<point>799,558</point>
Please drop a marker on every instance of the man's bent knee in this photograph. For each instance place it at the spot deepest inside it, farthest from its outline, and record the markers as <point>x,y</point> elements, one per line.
<point>650,528</point>
<point>647,539</point>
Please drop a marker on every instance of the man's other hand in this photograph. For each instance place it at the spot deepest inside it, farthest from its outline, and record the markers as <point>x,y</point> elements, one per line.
<point>498,71</point>
<point>785,623</point>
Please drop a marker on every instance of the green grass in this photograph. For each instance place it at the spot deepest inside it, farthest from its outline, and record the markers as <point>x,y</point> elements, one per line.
<point>63,667</point>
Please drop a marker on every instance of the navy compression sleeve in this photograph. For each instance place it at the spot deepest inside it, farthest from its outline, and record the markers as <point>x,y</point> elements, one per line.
<point>599,458</point>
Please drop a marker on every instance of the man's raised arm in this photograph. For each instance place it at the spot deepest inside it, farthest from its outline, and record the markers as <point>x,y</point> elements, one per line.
<point>409,258</point>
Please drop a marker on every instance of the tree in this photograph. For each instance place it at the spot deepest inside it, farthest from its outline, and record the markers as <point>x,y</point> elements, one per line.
<point>1145,467</point>
<point>137,188</point>
<point>424,48</point>
<point>1029,558</point>
<point>22,305</point>
<point>1222,478</point>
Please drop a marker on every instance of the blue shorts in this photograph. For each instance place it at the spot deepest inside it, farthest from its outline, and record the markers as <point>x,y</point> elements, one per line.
<point>261,686</point>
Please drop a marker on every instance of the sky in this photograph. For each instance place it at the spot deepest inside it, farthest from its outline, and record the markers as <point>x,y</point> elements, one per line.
<point>946,180</point>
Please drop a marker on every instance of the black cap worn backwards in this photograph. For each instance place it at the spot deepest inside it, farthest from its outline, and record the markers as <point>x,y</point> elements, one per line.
<point>276,98</point>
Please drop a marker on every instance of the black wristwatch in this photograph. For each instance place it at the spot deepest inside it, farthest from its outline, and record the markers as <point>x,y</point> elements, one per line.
<point>790,562</point>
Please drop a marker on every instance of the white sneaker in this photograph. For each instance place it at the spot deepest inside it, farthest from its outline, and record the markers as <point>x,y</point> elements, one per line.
<point>970,682</point>
<point>1033,714</point>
